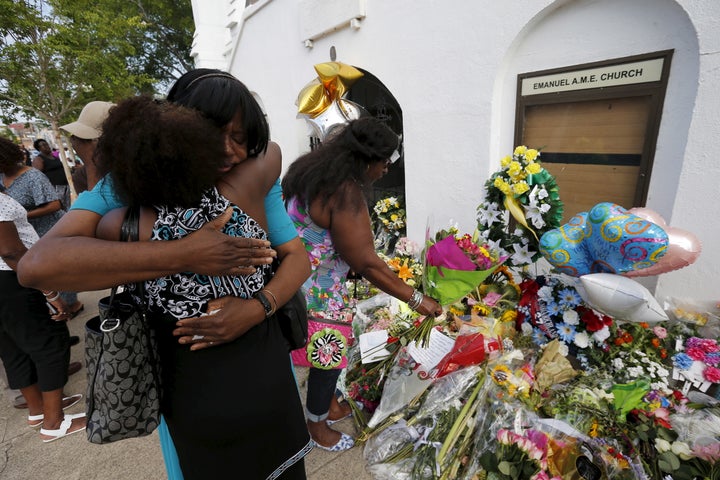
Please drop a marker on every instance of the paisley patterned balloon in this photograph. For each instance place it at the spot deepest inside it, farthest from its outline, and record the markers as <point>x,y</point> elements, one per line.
<point>607,239</point>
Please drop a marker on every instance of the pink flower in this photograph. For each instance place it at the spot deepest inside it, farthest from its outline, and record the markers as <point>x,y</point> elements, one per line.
<point>709,453</point>
<point>660,332</point>
<point>504,436</point>
<point>712,374</point>
<point>696,353</point>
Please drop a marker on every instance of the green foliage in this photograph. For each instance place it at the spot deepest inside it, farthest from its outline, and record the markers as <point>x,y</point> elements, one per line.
<point>57,55</point>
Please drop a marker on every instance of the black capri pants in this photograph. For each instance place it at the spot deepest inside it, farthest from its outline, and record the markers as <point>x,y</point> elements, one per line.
<point>33,347</point>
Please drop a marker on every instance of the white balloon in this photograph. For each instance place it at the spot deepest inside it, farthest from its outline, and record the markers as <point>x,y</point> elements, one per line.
<point>621,298</point>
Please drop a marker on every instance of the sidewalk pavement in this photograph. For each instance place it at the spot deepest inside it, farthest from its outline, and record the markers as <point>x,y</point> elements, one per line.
<point>23,456</point>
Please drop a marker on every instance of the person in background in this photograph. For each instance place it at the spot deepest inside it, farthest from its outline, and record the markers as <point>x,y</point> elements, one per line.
<point>33,191</point>
<point>35,350</point>
<point>325,191</point>
<point>52,167</point>
<point>84,134</point>
<point>220,97</point>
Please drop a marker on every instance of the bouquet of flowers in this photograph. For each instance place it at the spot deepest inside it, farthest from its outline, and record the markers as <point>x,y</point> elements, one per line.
<point>456,264</point>
<point>521,203</point>
<point>389,221</point>
<point>551,308</point>
<point>404,262</point>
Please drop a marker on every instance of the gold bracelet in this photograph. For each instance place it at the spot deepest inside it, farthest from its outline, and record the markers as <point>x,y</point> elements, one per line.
<point>274,299</point>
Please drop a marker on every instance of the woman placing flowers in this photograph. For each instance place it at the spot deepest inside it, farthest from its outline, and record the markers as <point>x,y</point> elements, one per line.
<point>325,191</point>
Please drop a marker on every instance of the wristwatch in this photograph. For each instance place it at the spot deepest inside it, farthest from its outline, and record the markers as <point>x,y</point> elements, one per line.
<point>260,296</point>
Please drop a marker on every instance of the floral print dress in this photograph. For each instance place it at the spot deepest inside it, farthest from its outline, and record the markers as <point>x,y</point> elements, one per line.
<point>330,306</point>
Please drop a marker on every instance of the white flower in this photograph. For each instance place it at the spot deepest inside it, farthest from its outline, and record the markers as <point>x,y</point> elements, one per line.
<point>545,293</point>
<point>636,372</point>
<point>602,334</point>
<point>563,349</point>
<point>535,211</point>
<point>489,214</point>
<point>582,340</point>
<point>662,445</point>
<point>571,317</point>
<point>618,364</point>
<point>682,450</point>
<point>522,255</point>
<point>526,328</point>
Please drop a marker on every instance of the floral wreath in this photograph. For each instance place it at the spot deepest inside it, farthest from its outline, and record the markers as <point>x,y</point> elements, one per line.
<point>389,213</point>
<point>326,348</point>
<point>522,202</point>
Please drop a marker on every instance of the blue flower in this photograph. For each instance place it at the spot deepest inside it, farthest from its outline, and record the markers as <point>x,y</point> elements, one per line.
<point>569,298</point>
<point>566,332</point>
<point>682,361</point>
<point>552,308</point>
<point>539,337</point>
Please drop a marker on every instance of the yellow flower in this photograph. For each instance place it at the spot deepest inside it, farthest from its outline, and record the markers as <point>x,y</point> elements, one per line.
<point>503,186</point>
<point>520,188</point>
<point>533,168</point>
<point>456,310</point>
<point>505,161</point>
<point>405,272</point>
<point>509,316</point>
<point>514,169</point>
<point>520,150</point>
<point>481,309</point>
<point>394,263</point>
<point>500,374</point>
<point>531,154</point>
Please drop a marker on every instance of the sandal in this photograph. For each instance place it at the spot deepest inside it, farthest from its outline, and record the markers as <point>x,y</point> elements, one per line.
<point>346,442</point>
<point>74,313</point>
<point>64,429</point>
<point>35,421</point>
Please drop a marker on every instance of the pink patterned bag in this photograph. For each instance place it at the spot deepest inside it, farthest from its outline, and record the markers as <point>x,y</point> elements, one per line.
<point>327,345</point>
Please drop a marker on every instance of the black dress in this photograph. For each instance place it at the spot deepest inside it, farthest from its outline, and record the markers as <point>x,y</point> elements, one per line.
<point>233,410</point>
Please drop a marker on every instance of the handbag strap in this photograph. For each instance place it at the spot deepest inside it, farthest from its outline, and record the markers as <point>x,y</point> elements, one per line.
<point>129,232</point>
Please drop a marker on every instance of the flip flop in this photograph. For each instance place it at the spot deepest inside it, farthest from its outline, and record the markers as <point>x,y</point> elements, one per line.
<point>63,430</point>
<point>346,442</point>
<point>35,421</point>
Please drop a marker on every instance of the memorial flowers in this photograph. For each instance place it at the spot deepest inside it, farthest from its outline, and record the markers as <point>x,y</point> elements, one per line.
<point>522,202</point>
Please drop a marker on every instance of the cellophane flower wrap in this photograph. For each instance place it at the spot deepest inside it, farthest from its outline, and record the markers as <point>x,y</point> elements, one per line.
<point>455,265</point>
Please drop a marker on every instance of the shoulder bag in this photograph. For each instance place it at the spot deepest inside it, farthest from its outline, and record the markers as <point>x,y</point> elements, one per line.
<point>123,382</point>
<point>293,318</point>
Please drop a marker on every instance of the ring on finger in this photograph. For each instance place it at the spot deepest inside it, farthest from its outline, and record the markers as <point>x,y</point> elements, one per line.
<point>198,337</point>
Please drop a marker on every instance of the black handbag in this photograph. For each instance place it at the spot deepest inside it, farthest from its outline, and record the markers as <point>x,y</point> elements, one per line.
<point>293,319</point>
<point>123,382</point>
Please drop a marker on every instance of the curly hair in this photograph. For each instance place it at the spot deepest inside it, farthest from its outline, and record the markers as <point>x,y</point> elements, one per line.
<point>158,153</point>
<point>344,158</point>
<point>10,155</point>
<point>219,96</point>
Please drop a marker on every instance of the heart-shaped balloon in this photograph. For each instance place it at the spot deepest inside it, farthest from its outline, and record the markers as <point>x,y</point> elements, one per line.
<point>622,298</point>
<point>683,247</point>
<point>607,239</point>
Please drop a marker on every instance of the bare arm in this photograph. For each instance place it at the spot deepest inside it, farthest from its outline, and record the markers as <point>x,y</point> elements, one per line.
<point>70,258</point>
<point>38,163</point>
<point>44,209</point>
<point>353,239</point>
<point>12,250</point>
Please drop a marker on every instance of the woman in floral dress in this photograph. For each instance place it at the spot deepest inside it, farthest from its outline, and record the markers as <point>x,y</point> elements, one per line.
<point>325,191</point>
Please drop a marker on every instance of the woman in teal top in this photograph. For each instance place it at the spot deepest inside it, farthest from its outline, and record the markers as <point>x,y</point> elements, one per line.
<point>206,251</point>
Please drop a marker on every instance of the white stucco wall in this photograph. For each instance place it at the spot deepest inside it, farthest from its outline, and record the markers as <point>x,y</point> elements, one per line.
<point>452,67</point>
